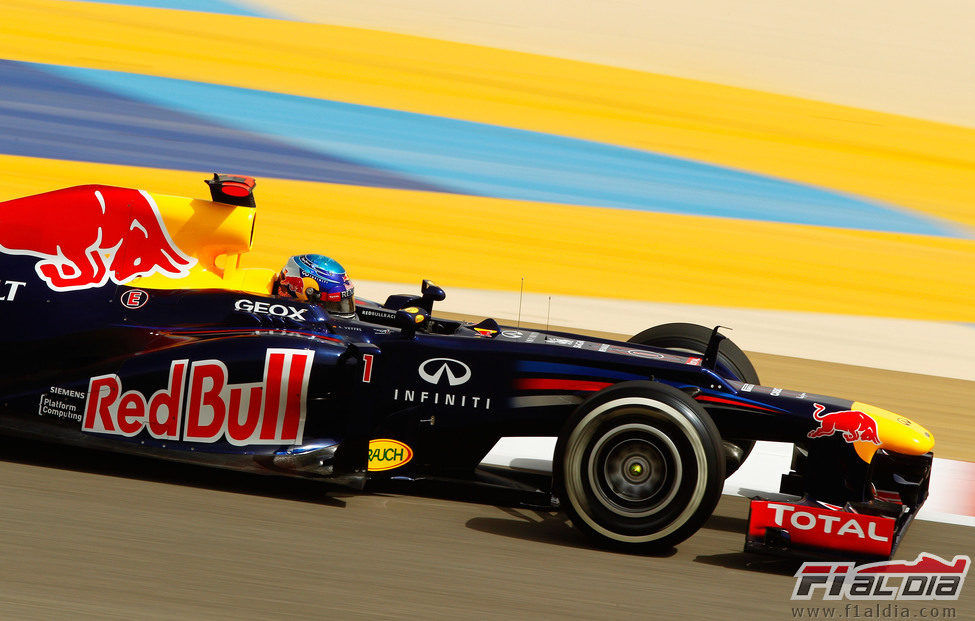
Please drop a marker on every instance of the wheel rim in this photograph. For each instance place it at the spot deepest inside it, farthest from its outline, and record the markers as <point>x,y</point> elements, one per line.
<point>634,469</point>
<point>669,515</point>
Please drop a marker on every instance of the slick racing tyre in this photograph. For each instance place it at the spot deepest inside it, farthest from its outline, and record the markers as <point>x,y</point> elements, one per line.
<point>732,364</point>
<point>639,466</point>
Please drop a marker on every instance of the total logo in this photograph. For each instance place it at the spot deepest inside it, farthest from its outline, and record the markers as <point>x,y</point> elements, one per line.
<point>805,520</point>
<point>823,528</point>
<point>266,308</point>
<point>199,404</point>
<point>445,373</point>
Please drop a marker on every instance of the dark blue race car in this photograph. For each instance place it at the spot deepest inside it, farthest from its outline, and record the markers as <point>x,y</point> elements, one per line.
<point>128,325</point>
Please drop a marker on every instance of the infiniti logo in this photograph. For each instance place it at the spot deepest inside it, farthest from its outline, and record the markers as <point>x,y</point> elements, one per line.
<point>434,369</point>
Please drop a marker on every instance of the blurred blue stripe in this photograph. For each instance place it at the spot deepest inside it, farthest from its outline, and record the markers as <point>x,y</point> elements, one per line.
<point>49,116</point>
<point>509,163</point>
<point>200,6</point>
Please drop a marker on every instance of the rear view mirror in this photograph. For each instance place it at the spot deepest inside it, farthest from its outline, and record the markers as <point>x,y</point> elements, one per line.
<point>432,292</point>
<point>409,319</point>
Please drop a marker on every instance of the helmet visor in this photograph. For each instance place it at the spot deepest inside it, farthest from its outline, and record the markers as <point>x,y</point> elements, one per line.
<point>342,306</point>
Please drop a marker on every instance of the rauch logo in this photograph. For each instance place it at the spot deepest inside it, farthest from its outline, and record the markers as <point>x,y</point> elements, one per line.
<point>386,454</point>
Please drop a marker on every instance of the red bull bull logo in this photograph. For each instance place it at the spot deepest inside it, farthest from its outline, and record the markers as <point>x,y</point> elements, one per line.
<point>855,426</point>
<point>294,284</point>
<point>88,235</point>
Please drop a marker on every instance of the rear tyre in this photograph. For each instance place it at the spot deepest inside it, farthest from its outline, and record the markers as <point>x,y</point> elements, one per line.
<point>639,466</point>
<point>732,364</point>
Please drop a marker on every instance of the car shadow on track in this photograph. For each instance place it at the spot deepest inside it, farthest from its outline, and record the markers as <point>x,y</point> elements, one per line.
<point>748,561</point>
<point>727,518</point>
<point>554,528</point>
<point>530,525</point>
<point>527,523</point>
<point>726,523</point>
<point>549,527</point>
<point>92,461</point>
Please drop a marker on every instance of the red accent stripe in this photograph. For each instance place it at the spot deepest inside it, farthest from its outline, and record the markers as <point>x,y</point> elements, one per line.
<point>822,569</point>
<point>253,331</point>
<point>730,402</point>
<point>292,408</point>
<point>924,564</point>
<point>272,396</point>
<point>889,496</point>
<point>543,383</point>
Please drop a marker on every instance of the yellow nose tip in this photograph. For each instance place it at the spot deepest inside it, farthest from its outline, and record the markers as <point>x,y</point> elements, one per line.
<point>896,433</point>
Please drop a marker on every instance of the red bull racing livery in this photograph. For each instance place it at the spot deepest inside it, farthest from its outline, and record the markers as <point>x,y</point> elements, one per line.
<point>92,234</point>
<point>852,424</point>
<point>136,330</point>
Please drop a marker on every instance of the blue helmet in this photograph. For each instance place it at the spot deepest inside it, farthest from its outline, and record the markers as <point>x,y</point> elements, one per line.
<point>318,279</point>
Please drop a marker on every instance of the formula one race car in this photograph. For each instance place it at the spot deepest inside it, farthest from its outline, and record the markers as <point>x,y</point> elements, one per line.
<point>131,327</point>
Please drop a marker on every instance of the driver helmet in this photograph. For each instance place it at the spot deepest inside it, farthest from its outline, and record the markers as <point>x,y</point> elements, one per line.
<point>319,280</point>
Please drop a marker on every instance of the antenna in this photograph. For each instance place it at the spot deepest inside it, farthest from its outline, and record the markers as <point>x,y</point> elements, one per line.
<point>548,317</point>
<point>521,297</point>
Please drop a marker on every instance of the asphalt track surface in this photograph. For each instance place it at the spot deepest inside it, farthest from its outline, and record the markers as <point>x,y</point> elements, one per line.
<point>93,535</point>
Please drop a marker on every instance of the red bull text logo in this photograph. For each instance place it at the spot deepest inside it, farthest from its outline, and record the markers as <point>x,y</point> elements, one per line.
<point>199,404</point>
<point>88,235</point>
<point>855,426</point>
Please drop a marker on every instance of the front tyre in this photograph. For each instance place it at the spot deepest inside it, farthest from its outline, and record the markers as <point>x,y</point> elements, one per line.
<point>639,466</point>
<point>732,362</point>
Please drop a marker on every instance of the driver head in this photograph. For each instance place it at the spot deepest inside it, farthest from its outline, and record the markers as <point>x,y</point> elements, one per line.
<point>319,280</point>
